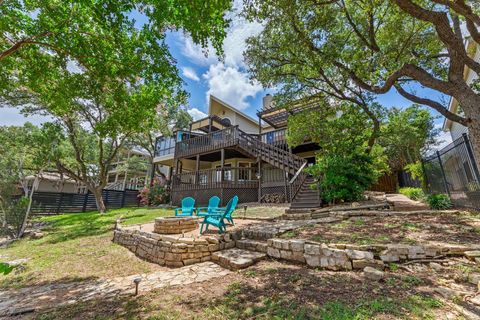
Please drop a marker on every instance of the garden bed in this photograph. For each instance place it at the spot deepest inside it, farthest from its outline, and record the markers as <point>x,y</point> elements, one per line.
<point>425,228</point>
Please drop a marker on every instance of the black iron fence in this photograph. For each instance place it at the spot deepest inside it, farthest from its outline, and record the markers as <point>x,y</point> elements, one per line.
<point>454,171</point>
<point>60,202</point>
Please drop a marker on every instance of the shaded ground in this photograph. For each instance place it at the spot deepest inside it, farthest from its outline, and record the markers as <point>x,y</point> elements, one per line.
<point>274,290</point>
<point>409,229</point>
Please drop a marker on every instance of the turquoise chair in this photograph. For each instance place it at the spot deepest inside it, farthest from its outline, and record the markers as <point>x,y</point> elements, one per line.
<point>213,203</point>
<point>187,209</point>
<point>218,219</point>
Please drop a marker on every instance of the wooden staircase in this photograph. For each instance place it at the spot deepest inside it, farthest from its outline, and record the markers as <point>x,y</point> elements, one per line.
<point>306,197</point>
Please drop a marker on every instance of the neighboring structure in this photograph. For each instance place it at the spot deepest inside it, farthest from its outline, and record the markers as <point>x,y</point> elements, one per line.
<point>131,170</point>
<point>456,130</point>
<point>55,182</point>
<point>454,170</point>
<point>229,153</point>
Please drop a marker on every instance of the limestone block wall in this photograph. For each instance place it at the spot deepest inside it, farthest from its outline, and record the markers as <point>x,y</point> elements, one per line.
<point>171,250</point>
<point>348,257</point>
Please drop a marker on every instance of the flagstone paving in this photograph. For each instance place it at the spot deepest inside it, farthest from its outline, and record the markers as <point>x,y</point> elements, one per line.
<point>16,302</point>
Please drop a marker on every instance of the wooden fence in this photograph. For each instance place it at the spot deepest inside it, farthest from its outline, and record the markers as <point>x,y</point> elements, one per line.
<point>59,202</point>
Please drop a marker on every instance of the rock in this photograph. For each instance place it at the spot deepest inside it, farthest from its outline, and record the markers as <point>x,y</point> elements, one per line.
<point>474,278</point>
<point>476,300</point>
<point>436,266</point>
<point>36,235</point>
<point>373,274</point>
<point>450,293</point>
<point>359,255</point>
<point>472,255</point>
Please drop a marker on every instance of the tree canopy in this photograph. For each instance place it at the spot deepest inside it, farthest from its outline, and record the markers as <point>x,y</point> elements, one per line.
<point>99,73</point>
<point>346,48</point>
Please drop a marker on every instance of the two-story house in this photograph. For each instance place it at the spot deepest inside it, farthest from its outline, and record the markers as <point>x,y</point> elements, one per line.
<point>229,153</point>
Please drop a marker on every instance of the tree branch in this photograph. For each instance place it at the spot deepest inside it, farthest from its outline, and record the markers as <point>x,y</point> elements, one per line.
<point>433,104</point>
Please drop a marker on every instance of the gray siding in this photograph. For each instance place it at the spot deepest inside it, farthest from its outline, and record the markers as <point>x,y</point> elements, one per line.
<point>457,130</point>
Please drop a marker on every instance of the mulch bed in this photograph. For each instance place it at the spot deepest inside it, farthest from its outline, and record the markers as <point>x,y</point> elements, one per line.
<point>449,228</point>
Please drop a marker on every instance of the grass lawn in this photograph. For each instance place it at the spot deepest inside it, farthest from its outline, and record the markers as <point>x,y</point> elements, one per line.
<point>77,247</point>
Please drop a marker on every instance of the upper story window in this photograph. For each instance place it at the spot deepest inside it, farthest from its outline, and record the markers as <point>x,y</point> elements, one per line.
<point>226,122</point>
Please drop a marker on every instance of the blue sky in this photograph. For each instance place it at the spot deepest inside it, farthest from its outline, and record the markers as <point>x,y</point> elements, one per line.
<point>205,74</point>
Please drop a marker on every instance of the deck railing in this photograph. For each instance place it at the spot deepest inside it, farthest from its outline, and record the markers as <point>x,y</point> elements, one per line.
<point>206,143</point>
<point>236,177</point>
<point>276,137</point>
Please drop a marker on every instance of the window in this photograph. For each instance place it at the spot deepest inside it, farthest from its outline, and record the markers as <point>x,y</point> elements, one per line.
<point>227,173</point>
<point>226,122</point>
<point>244,172</point>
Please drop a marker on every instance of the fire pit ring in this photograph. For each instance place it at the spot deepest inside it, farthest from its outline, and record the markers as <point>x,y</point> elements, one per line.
<point>175,225</point>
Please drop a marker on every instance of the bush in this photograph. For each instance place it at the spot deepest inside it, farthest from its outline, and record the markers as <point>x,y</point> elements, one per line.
<point>439,201</point>
<point>413,193</point>
<point>344,177</point>
<point>155,194</point>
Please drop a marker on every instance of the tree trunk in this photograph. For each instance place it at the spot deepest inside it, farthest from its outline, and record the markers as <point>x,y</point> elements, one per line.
<point>97,193</point>
<point>474,135</point>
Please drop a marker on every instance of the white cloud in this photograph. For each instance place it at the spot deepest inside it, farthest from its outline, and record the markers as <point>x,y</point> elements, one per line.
<point>190,73</point>
<point>230,85</point>
<point>233,45</point>
<point>196,114</point>
<point>226,78</point>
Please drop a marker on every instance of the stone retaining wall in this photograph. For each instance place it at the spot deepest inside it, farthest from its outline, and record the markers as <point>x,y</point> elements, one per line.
<point>348,257</point>
<point>171,250</point>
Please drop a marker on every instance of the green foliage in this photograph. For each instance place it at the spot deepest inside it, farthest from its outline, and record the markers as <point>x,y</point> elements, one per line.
<point>155,194</point>
<point>5,268</point>
<point>406,134</point>
<point>338,130</point>
<point>416,171</point>
<point>344,177</point>
<point>439,201</point>
<point>413,193</point>
<point>100,74</point>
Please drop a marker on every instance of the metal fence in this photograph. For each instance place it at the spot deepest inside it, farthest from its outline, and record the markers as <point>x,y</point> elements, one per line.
<point>454,171</point>
<point>59,202</point>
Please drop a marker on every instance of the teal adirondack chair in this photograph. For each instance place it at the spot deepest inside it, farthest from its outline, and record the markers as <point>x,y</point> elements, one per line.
<point>187,209</point>
<point>212,206</point>
<point>218,219</point>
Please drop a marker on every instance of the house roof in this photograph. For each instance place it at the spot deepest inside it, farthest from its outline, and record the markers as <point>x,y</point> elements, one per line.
<point>277,117</point>
<point>212,97</point>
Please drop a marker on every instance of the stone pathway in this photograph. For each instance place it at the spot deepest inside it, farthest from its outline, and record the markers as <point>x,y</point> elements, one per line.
<point>23,301</point>
<point>403,203</point>
<point>236,259</point>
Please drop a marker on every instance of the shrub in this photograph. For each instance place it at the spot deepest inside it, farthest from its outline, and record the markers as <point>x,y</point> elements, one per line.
<point>413,193</point>
<point>155,194</point>
<point>439,201</point>
<point>344,177</point>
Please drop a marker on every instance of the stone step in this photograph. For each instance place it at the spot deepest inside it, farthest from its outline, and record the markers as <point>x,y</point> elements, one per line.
<point>253,245</point>
<point>235,259</point>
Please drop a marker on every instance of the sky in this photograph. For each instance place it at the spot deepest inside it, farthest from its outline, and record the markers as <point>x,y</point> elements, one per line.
<point>204,74</point>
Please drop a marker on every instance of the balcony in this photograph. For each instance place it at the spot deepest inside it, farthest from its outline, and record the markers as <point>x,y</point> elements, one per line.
<point>207,143</point>
<point>165,146</point>
<point>276,137</point>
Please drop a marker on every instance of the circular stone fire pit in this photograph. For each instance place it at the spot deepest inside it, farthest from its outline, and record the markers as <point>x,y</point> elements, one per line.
<point>175,225</point>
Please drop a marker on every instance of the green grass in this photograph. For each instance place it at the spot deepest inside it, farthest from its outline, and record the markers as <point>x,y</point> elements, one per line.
<point>76,247</point>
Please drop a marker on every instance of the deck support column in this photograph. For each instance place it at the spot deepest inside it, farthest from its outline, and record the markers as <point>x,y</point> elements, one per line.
<point>259,160</point>
<point>197,168</point>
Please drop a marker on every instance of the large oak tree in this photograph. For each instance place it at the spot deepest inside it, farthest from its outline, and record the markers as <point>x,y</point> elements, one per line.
<point>372,46</point>
<point>98,72</point>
